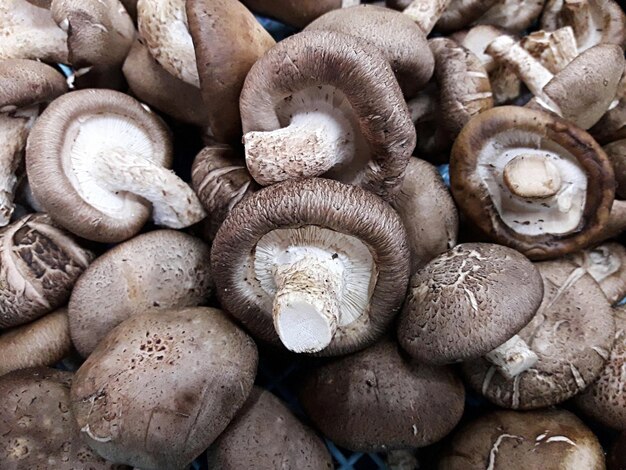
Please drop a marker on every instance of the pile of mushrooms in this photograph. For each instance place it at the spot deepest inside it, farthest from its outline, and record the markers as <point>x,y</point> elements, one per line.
<point>312,234</point>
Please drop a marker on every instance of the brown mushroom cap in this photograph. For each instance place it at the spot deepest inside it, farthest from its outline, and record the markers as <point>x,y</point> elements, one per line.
<point>265,434</point>
<point>512,15</point>
<point>37,430</point>
<point>43,342</point>
<point>604,400</point>
<point>162,386</point>
<point>461,13</point>
<point>27,82</point>
<point>498,136</point>
<point>378,400</point>
<point>548,439</point>
<point>612,125</point>
<point>360,233</point>
<point>40,264</point>
<point>397,36</point>
<point>468,301</point>
<point>572,335</point>
<point>329,73</point>
<point>228,40</point>
<point>158,270</point>
<point>616,151</point>
<point>297,13</point>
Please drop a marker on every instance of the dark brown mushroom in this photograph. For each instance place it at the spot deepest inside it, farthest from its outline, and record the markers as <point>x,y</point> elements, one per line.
<point>297,13</point>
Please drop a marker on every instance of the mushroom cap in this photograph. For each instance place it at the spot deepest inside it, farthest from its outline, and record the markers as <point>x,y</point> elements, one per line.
<point>617,455</point>
<point>460,13</point>
<point>512,15</point>
<point>43,342</point>
<point>36,427</point>
<point>298,13</point>
<point>548,439</point>
<point>228,40</point>
<point>399,38</point>
<point>39,266</point>
<point>468,301</point>
<point>612,126</point>
<point>221,180</point>
<point>265,434</point>
<point>427,211</point>
<point>51,165</point>
<point>26,82</point>
<point>572,335</point>
<point>378,400</point>
<point>158,270</point>
<point>358,73</point>
<point>340,209</point>
<point>616,151</point>
<point>604,400</point>
<point>160,387</point>
<point>495,132</point>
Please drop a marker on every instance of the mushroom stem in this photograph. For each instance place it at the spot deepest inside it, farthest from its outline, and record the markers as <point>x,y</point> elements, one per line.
<point>555,49</point>
<point>513,357</point>
<point>577,13</point>
<point>532,176</point>
<point>174,203</point>
<point>426,13</point>
<point>311,145</point>
<point>306,305</point>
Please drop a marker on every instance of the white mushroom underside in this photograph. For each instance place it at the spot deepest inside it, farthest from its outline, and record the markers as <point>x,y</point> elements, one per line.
<point>93,135</point>
<point>559,214</point>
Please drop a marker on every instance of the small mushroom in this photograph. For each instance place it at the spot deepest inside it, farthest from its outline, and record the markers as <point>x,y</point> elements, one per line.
<point>320,103</point>
<point>298,13</point>
<point>572,335</point>
<point>531,181</point>
<point>221,180</point>
<point>378,400</point>
<point>548,439</point>
<point>160,388</point>
<point>512,15</point>
<point>95,161</point>
<point>604,400</point>
<point>323,267</point>
<point>617,455</point>
<point>36,427</point>
<point>38,268</point>
<point>265,434</point>
<point>154,271</point>
<point>228,40</point>
<point>491,292</point>
<point>43,342</point>
<point>400,40</point>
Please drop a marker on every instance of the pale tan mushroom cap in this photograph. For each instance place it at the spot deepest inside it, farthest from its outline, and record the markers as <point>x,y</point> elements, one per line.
<point>27,82</point>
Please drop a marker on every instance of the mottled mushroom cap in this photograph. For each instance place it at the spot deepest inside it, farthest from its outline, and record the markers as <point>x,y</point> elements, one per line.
<point>398,37</point>
<point>341,210</point>
<point>378,400</point>
<point>265,434</point>
<point>468,301</point>
<point>358,73</point>
<point>616,151</point>
<point>548,439</point>
<point>37,429</point>
<point>572,334</point>
<point>162,386</point>
<point>460,13</point>
<point>25,82</point>
<point>297,13</point>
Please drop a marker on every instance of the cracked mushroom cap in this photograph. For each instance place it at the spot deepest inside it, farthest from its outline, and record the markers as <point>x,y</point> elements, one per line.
<point>228,41</point>
<point>298,13</point>
<point>39,265</point>
<point>604,400</point>
<point>331,95</point>
<point>548,439</point>
<point>96,159</point>
<point>531,181</point>
<point>512,15</point>
<point>572,334</point>
<point>616,151</point>
<point>43,342</point>
<point>37,430</point>
<point>397,36</point>
<point>160,387</point>
<point>316,264</point>
<point>378,400</point>
<point>265,434</point>
<point>468,301</point>
<point>158,270</point>
<point>27,82</point>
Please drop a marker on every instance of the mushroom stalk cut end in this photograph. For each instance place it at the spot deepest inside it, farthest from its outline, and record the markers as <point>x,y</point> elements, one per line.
<point>532,176</point>
<point>513,357</point>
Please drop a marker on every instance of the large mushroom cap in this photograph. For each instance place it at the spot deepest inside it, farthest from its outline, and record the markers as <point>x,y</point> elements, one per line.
<point>398,37</point>
<point>265,434</point>
<point>297,13</point>
<point>325,263</point>
<point>378,400</point>
<point>158,270</point>
<point>26,82</point>
<point>548,439</point>
<point>572,335</point>
<point>531,181</point>
<point>324,102</point>
<point>37,430</point>
<point>162,386</point>
<point>467,302</point>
